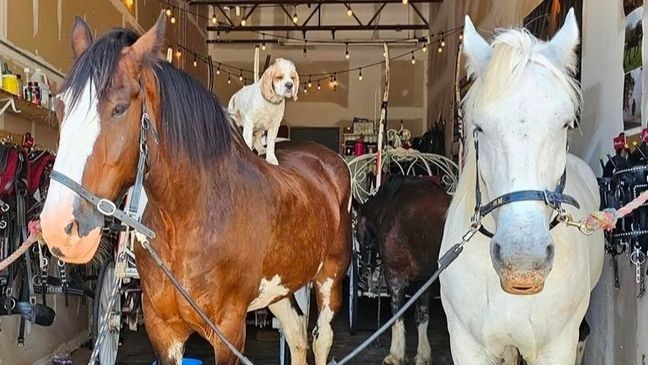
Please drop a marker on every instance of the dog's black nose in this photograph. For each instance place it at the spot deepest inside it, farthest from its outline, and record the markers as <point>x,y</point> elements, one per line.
<point>289,85</point>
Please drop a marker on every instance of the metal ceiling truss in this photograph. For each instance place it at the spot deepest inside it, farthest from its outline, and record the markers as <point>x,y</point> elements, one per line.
<point>306,25</point>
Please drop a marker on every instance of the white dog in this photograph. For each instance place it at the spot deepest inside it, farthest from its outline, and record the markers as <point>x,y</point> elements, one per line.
<point>260,107</point>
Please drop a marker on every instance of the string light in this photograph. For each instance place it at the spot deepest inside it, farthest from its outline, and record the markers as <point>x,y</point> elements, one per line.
<point>168,12</point>
<point>310,84</point>
<point>335,83</point>
<point>349,11</point>
<point>360,74</point>
<point>241,76</point>
<point>178,52</point>
<point>461,36</point>
<point>346,53</point>
<point>305,90</point>
<point>404,2</point>
<point>295,19</point>
<point>195,61</point>
<point>413,58</point>
<point>424,49</point>
<point>263,46</point>
<point>173,19</point>
<point>440,49</point>
<point>319,86</point>
<point>443,43</point>
<point>229,80</point>
<point>243,22</point>
<point>218,69</point>
<point>238,10</point>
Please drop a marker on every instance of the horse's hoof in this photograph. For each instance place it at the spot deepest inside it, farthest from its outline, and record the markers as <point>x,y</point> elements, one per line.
<point>391,359</point>
<point>421,360</point>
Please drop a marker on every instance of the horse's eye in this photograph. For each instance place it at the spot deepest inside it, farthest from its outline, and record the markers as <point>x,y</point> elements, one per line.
<point>119,110</point>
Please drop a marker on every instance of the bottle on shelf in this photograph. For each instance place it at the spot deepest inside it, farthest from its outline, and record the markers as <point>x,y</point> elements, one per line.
<point>40,78</point>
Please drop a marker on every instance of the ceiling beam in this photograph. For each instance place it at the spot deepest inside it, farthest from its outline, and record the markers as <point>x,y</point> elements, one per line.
<point>297,2</point>
<point>315,28</point>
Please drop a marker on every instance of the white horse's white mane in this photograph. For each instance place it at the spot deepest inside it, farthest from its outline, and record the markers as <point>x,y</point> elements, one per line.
<point>513,51</point>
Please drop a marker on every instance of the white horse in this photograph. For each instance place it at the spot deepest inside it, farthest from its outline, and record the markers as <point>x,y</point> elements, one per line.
<point>527,290</point>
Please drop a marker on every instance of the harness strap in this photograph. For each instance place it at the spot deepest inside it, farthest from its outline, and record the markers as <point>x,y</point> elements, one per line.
<point>104,206</point>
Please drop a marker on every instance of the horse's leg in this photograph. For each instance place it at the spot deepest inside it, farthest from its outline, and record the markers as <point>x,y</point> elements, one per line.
<point>464,347</point>
<point>232,324</point>
<point>270,143</point>
<point>167,337</point>
<point>294,327</point>
<point>561,350</point>
<point>397,293</point>
<point>423,351</point>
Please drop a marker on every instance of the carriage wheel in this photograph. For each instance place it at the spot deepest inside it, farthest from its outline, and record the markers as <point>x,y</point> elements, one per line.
<point>110,345</point>
<point>353,296</point>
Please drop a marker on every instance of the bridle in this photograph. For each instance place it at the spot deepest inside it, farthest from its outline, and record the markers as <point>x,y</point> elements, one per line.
<point>107,207</point>
<point>553,199</point>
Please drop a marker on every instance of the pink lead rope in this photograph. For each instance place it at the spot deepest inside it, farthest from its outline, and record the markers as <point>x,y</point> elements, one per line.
<point>607,219</point>
<point>34,236</point>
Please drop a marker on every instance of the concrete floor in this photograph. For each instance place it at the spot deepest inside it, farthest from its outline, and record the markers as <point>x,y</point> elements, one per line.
<point>262,345</point>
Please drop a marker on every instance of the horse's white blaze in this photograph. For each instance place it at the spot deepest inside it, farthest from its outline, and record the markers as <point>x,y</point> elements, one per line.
<point>397,349</point>
<point>79,131</point>
<point>294,327</point>
<point>522,97</point>
<point>324,339</point>
<point>423,351</point>
<point>269,290</point>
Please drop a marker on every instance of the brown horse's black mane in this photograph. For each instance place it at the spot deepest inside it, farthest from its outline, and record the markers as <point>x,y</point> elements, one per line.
<point>192,120</point>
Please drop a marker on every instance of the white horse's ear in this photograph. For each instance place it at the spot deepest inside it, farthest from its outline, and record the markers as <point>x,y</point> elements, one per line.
<point>561,48</point>
<point>476,49</point>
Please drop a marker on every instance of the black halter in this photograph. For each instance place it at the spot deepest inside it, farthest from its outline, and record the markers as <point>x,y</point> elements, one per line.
<point>554,199</point>
<point>107,207</point>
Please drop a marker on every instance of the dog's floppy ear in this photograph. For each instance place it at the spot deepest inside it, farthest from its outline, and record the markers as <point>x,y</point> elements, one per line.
<point>295,86</point>
<point>267,89</point>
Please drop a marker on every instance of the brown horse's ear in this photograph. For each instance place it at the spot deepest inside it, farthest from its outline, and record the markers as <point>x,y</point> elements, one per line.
<point>81,36</point>
<point>150,43</point>
<point>267,90</point>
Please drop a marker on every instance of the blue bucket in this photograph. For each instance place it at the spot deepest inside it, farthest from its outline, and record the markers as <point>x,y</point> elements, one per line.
<point>186,361</point>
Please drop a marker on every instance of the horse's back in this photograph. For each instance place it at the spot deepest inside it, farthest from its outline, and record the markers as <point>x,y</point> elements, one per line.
<point>317,164</point>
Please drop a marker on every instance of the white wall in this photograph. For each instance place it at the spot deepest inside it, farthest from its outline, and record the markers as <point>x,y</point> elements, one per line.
<point>617,318</point>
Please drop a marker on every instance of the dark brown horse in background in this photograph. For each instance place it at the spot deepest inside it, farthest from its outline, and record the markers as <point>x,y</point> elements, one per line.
<point>238,233</point>
<point>405,219</point>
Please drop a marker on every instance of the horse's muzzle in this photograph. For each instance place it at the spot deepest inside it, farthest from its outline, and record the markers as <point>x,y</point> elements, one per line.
<point>522,283</point>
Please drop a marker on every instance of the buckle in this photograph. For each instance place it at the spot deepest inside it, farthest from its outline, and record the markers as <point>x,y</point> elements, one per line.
<point>32,300</point>
<point>106,207</point>
<point>9,304</point>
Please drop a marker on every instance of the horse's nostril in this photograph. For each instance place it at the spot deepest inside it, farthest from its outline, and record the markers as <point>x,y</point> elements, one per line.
<point>497,252</point>
<point>550,252</point>
<point>68,228</point>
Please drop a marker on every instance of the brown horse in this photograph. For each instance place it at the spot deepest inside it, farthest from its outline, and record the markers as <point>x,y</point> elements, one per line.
<point>405,219</point>
<point>239,234</point>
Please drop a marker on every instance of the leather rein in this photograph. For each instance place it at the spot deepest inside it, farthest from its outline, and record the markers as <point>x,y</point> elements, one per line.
<point>553,199</point>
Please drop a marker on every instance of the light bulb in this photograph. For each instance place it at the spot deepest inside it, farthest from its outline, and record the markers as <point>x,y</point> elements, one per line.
<point>360,75</point>
<point>195,63</point>
<point>173,20</point>
<point>310,84</point>
<point>295,19</point>
<point>229,80</point>
<point>413,58</point>
<point>168,12</point>
<point>460,36</point>
<point>347,55</point>
<point>349,12</point>
<point>305,52</point>
<point>241,77</point>
<point>237,9</point>
<point>404,2</point>
<point>440,49</point>
<point>214,19</point>
<point>243,22</point>
<point>424,49</point>
<point>218,70</point>
<point>178,52</point>
<point>305,90</point>
<point>443,43</point>
<point>319,86</point>
<point>263,46</point>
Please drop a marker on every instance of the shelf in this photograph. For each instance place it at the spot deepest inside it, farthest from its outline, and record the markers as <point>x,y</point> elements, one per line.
<point>28,110</point>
